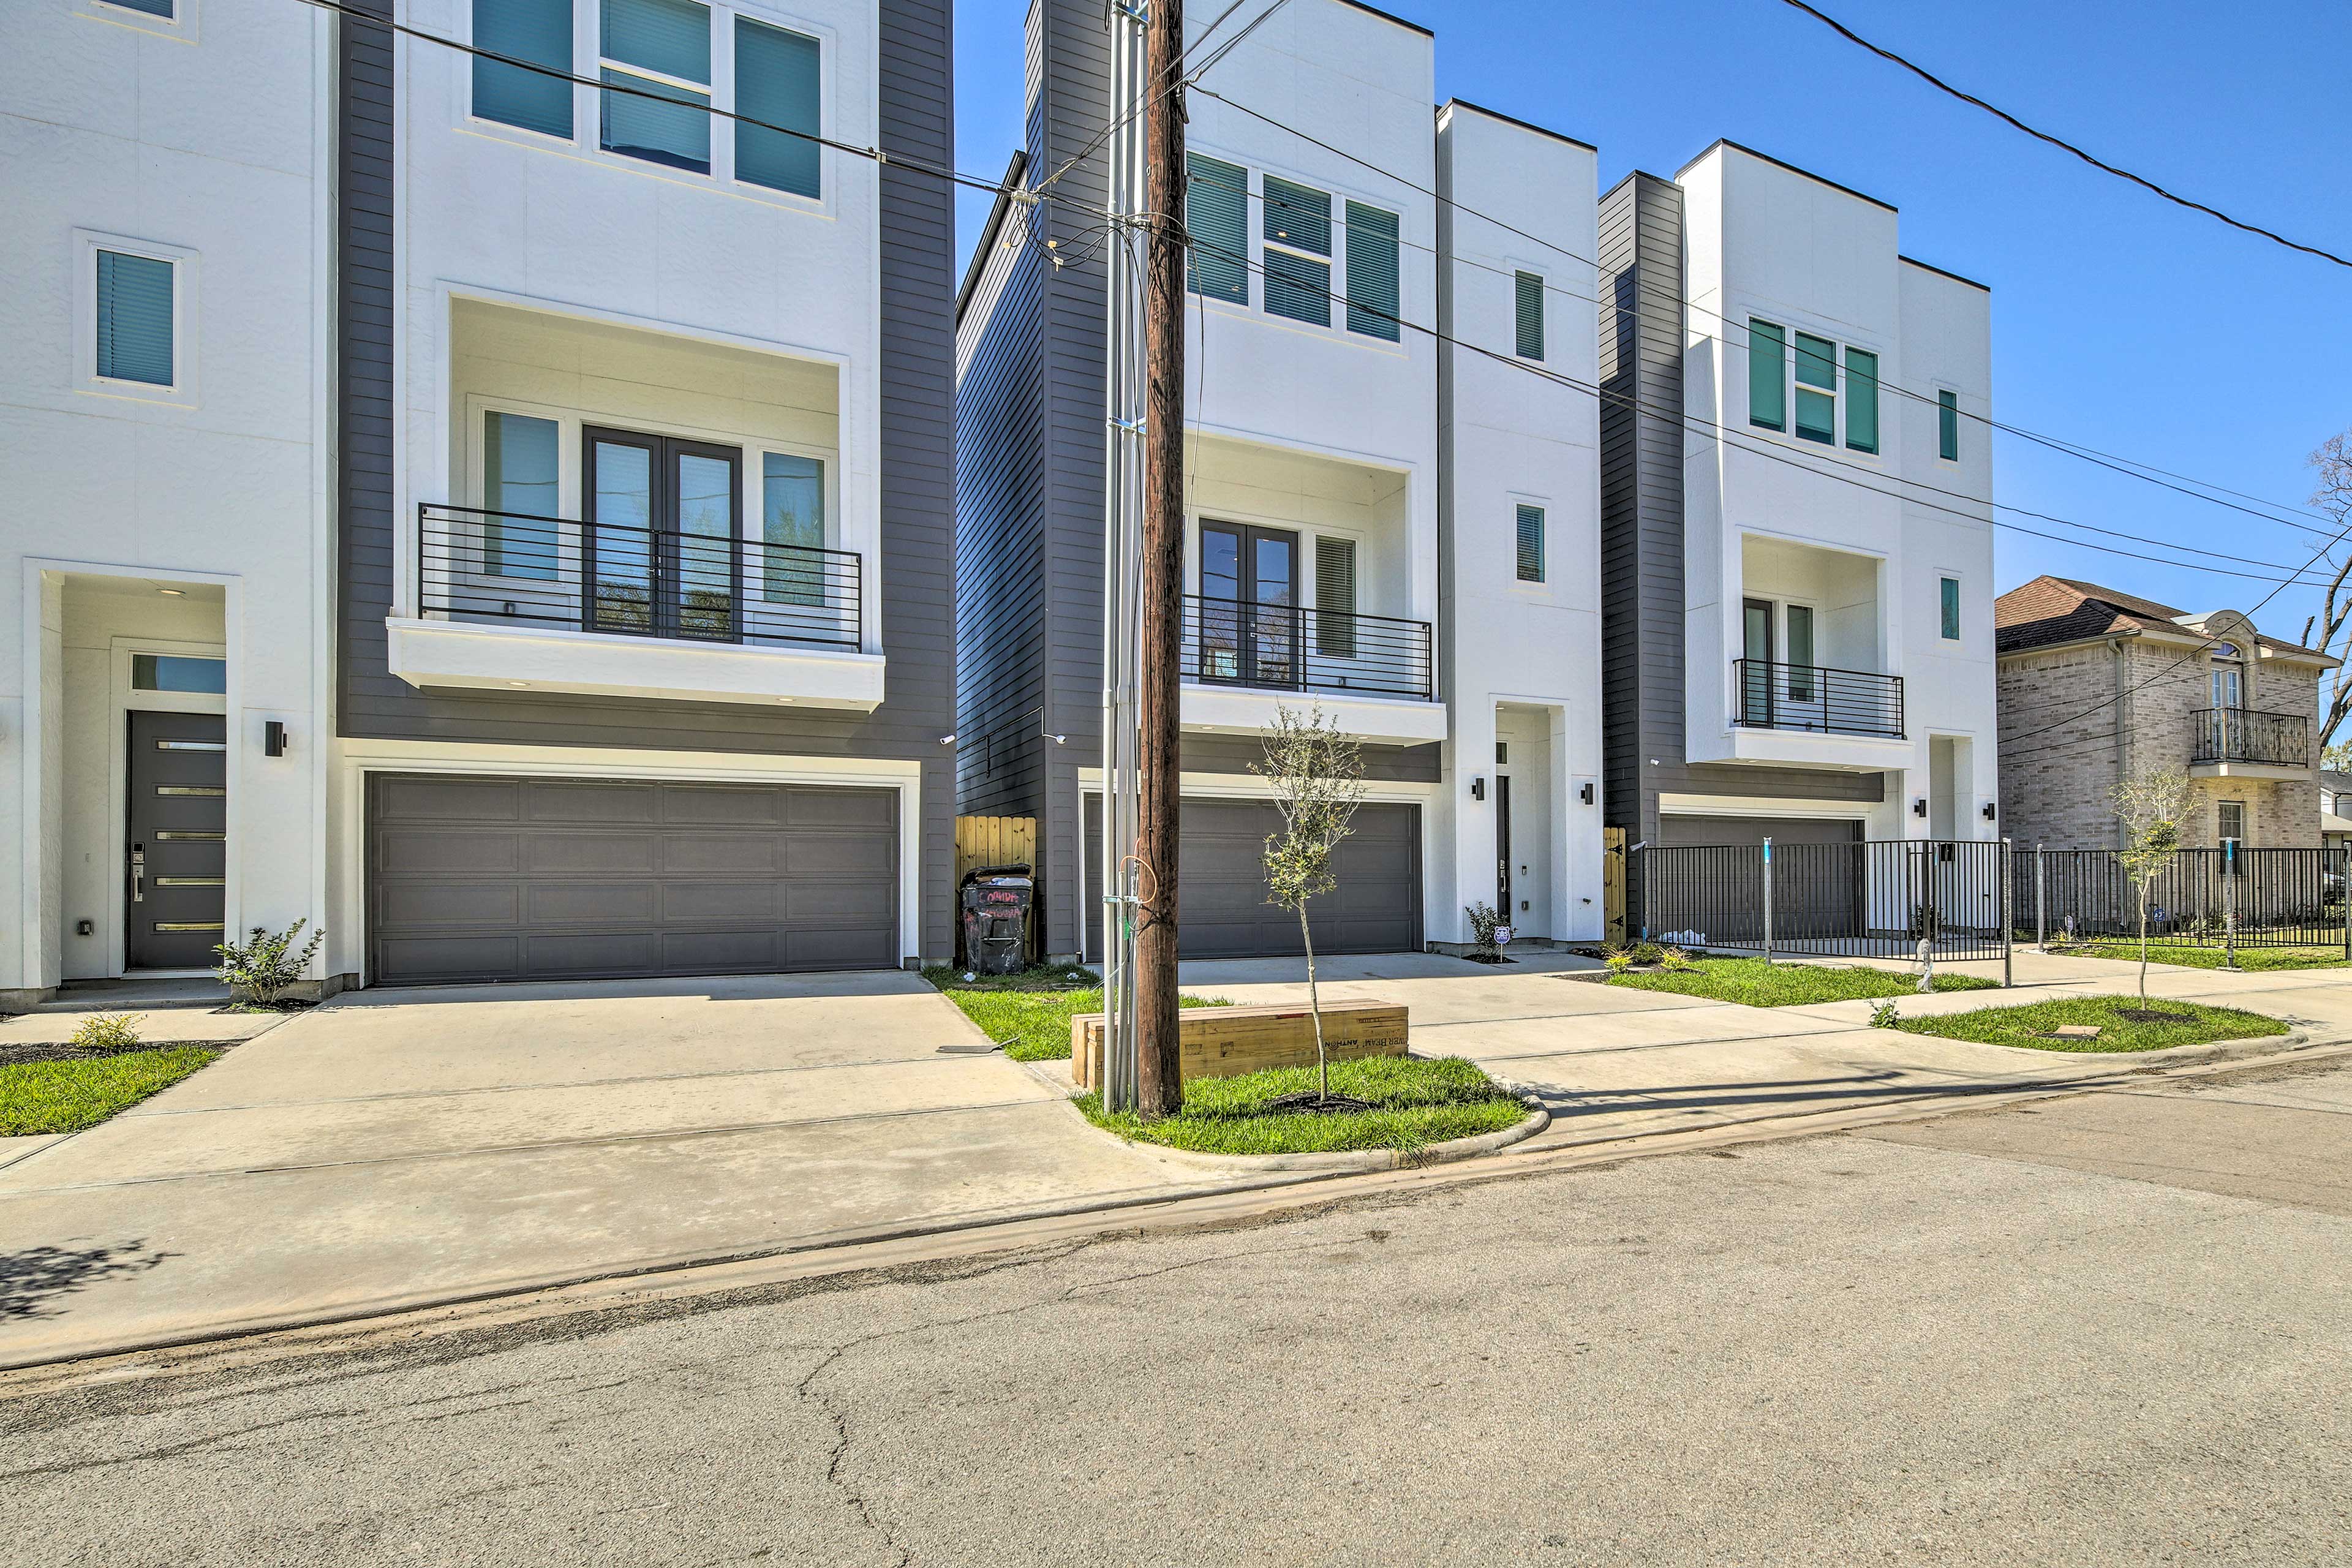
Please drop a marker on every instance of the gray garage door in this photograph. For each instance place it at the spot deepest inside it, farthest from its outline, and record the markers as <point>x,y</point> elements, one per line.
<point>1222,906</point>
<point>513,878</point>
<point>1755,829</point>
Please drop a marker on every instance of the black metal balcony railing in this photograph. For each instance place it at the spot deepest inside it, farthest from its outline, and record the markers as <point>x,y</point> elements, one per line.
<point>2241,735</point>
<point>1768,695</point>
<point>1234,642</point>
<point>503,567</point>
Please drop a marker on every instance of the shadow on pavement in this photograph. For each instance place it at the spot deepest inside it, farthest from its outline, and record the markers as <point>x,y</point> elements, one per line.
<point>32,1279</point>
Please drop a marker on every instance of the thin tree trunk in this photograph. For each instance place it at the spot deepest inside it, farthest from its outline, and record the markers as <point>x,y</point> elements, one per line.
<point>2143,947</point>
<point>1315,1006</point>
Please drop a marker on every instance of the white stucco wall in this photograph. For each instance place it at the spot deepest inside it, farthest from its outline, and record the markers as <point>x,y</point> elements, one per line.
<point>208,141</point>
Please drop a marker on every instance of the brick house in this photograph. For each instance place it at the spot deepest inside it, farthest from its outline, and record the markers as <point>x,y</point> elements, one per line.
<point>2097,686</point>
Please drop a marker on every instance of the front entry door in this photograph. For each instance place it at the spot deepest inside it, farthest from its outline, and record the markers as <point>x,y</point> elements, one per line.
<point>1503,846</point>
<point>1249,605</point>
<point>177,855</point>
<point>661,540</point>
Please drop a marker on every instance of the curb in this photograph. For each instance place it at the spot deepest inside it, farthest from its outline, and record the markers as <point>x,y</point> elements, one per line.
<point>1345,1162</point>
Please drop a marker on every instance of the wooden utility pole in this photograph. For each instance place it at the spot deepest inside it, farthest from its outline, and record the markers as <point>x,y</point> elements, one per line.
<point>1159,1079</point>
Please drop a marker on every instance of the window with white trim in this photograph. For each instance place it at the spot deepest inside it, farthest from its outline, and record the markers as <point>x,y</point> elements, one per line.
<point>1531,543</point>
<point>1298,251</point>
<point>134,310</point>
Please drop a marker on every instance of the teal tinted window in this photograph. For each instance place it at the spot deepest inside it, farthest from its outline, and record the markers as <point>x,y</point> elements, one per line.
<point>778,80</point>
<point>174,672</point>
<point>1531,544</point>
<point>519,475</point>
<point>791,517</point>
<point>1298,287</point>
<point>538,31</point>
<point>1216,212</point>
<point>1861,400</point>
<point>1529,303</point>
<point>135,318</point>
<point>1374,305</point>
<point>1297,215</point>
<point>1948,426</point>
<point>1951,609</point>
<point>1816,367</point>
<point>671,37</point>
<point>1768,375</point>
<point>151,8</point>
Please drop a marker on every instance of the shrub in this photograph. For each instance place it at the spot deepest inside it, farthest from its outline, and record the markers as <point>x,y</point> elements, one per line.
<point>108,1032</point>
<point>1676,961</point>
<point>1484,921</point>
<point>1882,1014</point>
<point>1619,962</point>
<point>1648,952</point>
<point>261,968</point>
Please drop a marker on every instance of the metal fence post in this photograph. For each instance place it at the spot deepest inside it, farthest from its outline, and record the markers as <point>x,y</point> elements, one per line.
<point>2040,899</point>
<point>2008,912</point>
<point>2228,904</point>
<point>1768,898</point>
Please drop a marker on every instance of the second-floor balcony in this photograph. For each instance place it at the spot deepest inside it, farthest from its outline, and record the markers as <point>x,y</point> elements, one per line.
<point>1816,699</point>
<point>2226,739</point>
<point>524,601</point>
<point>1375,675</point>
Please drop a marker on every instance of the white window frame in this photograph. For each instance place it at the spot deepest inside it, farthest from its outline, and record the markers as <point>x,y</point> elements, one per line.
<point>1541,587</point>
<point>180,24</point>
<point>1960,580</point>
<point>1939,389</point>
<point>1334,265</point>
<point>181,393</point>
<point>1790,384</point>
<point>708,90</point>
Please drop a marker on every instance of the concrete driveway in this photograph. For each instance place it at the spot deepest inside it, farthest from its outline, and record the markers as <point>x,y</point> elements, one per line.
<point>402,1146</point>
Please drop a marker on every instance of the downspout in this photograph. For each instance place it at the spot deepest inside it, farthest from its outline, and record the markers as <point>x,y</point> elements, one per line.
<point>2123,720</point>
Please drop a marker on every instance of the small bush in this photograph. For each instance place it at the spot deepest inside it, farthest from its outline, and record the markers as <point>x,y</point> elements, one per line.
<point>1618,962</point>
<point>1675,961</point>
<point>261,969</point>
<point>1882,1013</point>
<point>1648,952</point>
<point>1484,921</point>
<point>108,1032</point>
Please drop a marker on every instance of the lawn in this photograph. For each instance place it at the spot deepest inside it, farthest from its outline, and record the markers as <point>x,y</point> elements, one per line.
<point>69,1095</point>
<point>1029,1014</point>
<point>1752,983</point>
<point>1416,1101</point>
<point>2192,956</point>
<point>2184,1024</point>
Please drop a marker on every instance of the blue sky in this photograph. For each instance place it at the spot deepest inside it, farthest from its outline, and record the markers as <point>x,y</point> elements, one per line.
<point>2119,322</point>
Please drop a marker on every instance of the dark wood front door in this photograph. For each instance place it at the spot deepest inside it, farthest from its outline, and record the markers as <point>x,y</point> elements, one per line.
<point>662,543</point>
<point>176,854</point>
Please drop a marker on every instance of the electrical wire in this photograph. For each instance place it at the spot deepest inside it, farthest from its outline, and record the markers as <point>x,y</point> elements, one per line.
<point>1940,85</point>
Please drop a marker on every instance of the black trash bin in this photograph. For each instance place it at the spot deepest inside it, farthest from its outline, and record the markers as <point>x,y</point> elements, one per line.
<point>996,903</point>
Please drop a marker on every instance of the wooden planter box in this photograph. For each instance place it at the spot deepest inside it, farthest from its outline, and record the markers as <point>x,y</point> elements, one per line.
<point>1226,1042</point>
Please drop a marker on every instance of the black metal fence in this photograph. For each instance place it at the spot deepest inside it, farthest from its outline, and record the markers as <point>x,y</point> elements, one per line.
<point>2210,898</point>
<point>1816,697</point>
<point>2244,735</point>
<point>1856,900</point>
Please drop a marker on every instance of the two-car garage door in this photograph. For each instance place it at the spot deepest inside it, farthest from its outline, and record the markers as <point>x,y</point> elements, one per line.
<point>1221,911</point>
<point>512,879</point>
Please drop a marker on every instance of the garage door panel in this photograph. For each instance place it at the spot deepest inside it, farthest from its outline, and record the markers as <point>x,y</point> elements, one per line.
<point>588,879</point>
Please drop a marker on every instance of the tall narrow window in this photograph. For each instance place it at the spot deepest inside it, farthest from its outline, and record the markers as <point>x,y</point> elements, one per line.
<point>1768,375</point>
<point>519,492</point>
<point>1528,291</point>
<point>1372,296</point>
<point>1335,597</point>
<point>2232,823</point>
<point>779,80</point>
<point>1948,602</point>
<point>538,31</point>
<point>660,48</point>
<point>134,318</point>
<point>791,519</point>
<point>1861,400</point>
<point>1948,426</point>
<point>1531,544</point>
<point>1298,251</point>
<point>1216,212</point>
<point>1816,388</point>
<point>1800,652</point>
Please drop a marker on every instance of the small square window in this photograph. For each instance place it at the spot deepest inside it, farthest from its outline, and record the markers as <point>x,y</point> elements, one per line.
<point>135,318</point>
<point>134,313</point>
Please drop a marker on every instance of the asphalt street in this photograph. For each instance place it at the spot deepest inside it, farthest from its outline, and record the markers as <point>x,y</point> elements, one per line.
<point>2113,1329</point>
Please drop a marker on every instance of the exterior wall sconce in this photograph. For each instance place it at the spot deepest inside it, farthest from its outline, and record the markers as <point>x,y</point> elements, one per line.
<point>273,739</point>
<point>1478,787</point>
<point>1988,813</point>
<point>1585,793</point>
<point>1919,807</point>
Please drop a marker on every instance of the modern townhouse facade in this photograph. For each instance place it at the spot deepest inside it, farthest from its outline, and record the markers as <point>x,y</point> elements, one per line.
<point>534,511</point>
<point>2098,685</point>
<point>166,555</point>
<point>1796,537</point>
<point>1394,532</point>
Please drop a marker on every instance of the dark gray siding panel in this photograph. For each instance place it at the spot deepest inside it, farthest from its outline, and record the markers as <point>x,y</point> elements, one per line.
<point>916,462</point>
<point>1385,764</point>
<point>1641,605</point>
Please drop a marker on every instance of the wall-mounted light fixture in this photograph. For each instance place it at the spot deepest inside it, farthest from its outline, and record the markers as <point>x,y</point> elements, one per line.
<point>1919,807</point>
<point>1478,787</point>
<point>1989,812</point>
<point>1585,795</point>
<point>273,739</point>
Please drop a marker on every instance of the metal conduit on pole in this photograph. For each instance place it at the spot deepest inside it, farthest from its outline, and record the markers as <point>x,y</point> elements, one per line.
<point>1768,898</point>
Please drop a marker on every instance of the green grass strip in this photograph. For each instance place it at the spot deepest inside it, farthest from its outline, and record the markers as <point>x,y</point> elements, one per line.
<point>1752,983</point>
<point>1029,1014</point>
<point>69,1096</point>
<point>2182,1023</point>
<point>1415,1102</point>
<point>2193,956</point>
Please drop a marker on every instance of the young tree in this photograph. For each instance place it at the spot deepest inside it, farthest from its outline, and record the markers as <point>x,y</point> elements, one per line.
<point>1316,773</point>
<point>2151,809</point>
<point>2333,625</point>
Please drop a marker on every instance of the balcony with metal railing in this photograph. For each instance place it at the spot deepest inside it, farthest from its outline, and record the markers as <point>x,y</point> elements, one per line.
<point>1375,675</point>
<point>2248,743</point>
<point>528,602</point>
<point>1816,699</point>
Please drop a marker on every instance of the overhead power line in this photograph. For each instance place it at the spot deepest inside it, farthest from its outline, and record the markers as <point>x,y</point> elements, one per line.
<point>1940,85</point>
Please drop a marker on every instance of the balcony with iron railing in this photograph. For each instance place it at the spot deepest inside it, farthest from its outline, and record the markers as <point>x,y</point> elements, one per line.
<point>1376,676</point>
<point>520,600</point>
<point>2221,739</point>
<point>1813,699</point>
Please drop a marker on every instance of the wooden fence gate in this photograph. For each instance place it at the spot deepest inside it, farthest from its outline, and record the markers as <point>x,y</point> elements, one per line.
<point>998,841</point>
<point>1613,882</point>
